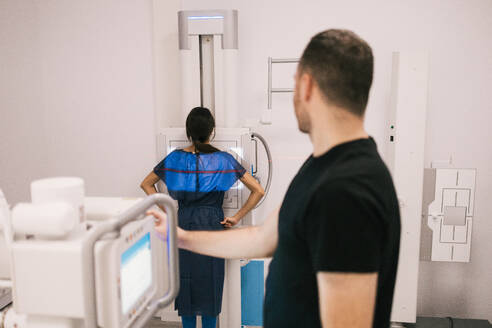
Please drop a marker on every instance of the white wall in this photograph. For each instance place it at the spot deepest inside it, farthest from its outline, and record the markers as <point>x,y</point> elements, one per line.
<point>167,70</point>
<point>76,94</point>
<point>76,98</point>
<point>457,35</point>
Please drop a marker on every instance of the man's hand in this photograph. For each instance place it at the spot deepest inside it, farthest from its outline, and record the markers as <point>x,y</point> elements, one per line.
<point>160,220</point>
<point>229,222</point>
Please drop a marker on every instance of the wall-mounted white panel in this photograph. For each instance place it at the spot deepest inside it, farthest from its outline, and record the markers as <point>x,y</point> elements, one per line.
<point>450,214</point>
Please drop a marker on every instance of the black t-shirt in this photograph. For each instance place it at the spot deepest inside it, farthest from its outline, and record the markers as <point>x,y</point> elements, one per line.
<point>340,214</point>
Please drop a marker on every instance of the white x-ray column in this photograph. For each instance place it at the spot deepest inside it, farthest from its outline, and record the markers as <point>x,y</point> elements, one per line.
<point>405,158</point>
<point>208,47</point>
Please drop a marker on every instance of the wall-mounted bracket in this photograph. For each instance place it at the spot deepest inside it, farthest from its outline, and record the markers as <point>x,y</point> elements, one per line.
<point>267,114</point>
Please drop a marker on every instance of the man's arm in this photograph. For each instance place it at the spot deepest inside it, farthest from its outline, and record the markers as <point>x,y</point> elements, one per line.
<point>345,238</point>
<point>248,242</point>
<point>346,299</point>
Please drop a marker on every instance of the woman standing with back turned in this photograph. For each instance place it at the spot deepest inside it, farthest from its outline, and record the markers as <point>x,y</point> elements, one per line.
<point>198,177</point>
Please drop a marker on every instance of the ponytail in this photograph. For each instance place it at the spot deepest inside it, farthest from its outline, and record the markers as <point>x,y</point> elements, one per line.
<point>204,148</point>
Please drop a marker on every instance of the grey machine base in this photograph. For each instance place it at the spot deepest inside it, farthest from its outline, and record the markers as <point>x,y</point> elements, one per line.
<point>427,322</point>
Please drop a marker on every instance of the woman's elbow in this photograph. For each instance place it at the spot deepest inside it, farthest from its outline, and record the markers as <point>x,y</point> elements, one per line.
<point>144,185</point>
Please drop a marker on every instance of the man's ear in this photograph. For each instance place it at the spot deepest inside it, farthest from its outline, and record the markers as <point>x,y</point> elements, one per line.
<point>306,87</point>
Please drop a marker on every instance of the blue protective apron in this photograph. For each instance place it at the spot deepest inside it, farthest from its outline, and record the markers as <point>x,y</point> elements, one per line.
<point>198,182</point>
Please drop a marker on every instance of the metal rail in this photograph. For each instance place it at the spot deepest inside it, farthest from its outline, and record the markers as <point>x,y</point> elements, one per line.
<point>272,90</point>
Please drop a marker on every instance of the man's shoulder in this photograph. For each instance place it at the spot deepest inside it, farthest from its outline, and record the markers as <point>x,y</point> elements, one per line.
<point>356,179</point>
<point>334,185</point>
<point>355,167</point>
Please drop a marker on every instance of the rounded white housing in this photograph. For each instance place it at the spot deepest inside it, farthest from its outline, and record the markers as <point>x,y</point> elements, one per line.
<point>60,189</point>
<point>48,220</point>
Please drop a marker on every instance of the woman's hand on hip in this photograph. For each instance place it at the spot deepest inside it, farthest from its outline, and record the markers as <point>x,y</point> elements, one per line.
<point>229,222</point>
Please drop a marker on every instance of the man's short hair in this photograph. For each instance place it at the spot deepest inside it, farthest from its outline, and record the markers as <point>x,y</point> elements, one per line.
<point>341,63</point>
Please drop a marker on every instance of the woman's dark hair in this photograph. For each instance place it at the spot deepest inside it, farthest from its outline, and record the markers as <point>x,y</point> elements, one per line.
<point>199,127</point>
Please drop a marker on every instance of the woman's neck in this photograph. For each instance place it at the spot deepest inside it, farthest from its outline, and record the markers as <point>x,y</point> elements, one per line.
<point>192,148</point>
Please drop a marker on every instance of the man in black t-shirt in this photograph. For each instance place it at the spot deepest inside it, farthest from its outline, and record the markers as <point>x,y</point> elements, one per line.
<point>338,240</point>
<point>335,240</point>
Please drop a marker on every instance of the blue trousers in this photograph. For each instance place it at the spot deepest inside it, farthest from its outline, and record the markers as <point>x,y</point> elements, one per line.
<point>207,322</point>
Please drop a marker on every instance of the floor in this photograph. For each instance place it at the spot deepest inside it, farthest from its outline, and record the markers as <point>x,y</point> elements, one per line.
<point>156,323</point>
<point>421,323</point>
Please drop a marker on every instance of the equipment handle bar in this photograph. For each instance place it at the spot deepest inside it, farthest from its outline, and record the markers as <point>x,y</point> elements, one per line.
<point>133,213</point>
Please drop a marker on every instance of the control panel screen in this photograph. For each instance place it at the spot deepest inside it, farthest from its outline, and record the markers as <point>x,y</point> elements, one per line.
<point>136,272</point>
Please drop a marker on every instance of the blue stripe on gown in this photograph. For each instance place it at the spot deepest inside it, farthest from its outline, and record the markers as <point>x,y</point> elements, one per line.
<point>198,183</point>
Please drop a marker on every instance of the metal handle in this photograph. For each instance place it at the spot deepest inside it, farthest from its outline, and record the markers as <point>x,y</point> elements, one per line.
<point>133,213</point>
<point>269,83</point>
<point>270,165</point>
<point>255,169</point>
<point>173,269</point>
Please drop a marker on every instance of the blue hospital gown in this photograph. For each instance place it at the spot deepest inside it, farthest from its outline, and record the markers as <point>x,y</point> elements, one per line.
<point>198,183</point>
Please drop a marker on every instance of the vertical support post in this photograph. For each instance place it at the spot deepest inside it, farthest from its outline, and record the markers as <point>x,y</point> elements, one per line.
<point>207,72</point>
<point>406,161</point>
<point>269,83</point>
<point>190,76</point>
<point>231,108</point>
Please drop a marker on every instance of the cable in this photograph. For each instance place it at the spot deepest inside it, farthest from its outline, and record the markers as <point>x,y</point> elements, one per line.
<point>270,165</point>
<point>3,315</point>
